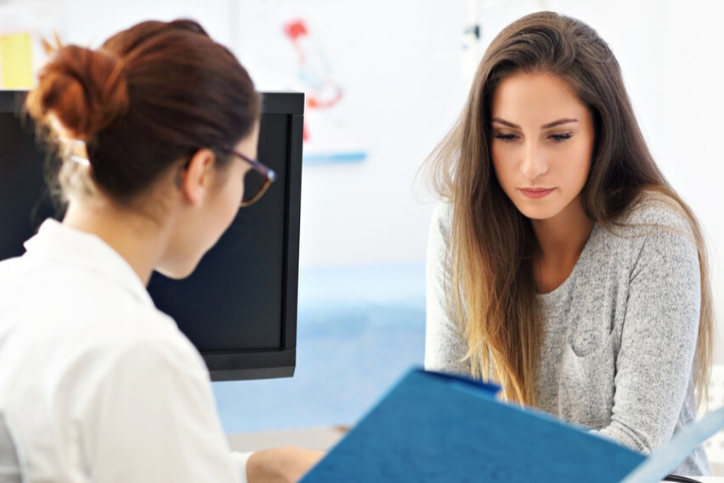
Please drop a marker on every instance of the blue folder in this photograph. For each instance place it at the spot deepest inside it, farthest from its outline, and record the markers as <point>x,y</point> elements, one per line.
<point>433,427</point>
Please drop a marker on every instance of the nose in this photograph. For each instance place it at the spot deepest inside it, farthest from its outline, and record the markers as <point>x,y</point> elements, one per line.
<point>534,163</point>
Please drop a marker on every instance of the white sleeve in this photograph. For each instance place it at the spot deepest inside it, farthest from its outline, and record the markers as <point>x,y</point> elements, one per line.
<point>445,346</point>
<point>154,420</point>
<point>241,460</point>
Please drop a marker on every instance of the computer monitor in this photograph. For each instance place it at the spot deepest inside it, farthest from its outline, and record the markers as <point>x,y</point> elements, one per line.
<point>239,307</point>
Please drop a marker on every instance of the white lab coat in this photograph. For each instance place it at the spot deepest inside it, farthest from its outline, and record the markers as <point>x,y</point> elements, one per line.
<point>96,384</point>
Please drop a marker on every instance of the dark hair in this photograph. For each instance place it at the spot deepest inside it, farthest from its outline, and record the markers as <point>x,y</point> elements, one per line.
<point>151,96</point>
<point>493,243</point>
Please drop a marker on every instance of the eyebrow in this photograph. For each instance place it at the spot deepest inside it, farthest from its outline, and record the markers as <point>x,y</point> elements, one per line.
<point>544,126</point>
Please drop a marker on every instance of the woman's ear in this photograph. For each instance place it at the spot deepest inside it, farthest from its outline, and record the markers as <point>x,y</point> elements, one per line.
<point>195,179</point>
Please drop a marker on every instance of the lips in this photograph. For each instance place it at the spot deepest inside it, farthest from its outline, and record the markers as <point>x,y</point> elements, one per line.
<point>536,193</point>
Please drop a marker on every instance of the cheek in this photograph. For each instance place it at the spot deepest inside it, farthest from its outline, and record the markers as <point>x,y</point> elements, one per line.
<point>577,172</point>
<point>502,165</point>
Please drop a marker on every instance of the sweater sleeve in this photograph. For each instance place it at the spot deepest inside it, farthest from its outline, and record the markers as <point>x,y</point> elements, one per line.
<point>658,342</point>
<point>445,345</point>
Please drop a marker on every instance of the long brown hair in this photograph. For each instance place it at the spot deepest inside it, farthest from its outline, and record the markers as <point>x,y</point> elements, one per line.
<point>149,98</point>
<point>493,243</point>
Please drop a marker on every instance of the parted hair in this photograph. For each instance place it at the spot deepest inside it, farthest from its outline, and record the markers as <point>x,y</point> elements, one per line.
<point>493,244</point>
<point>150,96</point>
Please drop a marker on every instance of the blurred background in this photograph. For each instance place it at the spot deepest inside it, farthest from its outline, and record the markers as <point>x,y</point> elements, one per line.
<point>384,81</point>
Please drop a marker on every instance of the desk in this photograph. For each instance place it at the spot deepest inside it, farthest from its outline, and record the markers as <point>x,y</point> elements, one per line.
<point>319,439</point>
<point>322,439</point>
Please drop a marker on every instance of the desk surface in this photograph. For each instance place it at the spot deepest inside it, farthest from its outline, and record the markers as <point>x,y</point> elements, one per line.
<point>320,439</point>
<point>323,439</point>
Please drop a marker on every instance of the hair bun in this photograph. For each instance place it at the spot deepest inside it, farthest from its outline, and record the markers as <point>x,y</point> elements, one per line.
<point>85,90</point>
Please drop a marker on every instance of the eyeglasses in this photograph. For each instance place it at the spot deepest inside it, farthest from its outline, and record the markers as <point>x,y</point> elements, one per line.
<point>256,181</point>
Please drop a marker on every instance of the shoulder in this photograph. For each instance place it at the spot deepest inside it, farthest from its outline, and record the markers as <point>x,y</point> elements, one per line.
<point>88,318</point>
<point>657,232</point>
<point>653,213</point>
<point>654,222</point>
<point>141,343</point>
<point>442,223</point>
<point>442,216</point>
<point>156,354</point>
<point>128,331</point>
<point>440,233</point>
<point>11,268</point>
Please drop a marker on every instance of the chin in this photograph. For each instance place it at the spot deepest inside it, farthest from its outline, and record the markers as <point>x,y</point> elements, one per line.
<point>538,212</point>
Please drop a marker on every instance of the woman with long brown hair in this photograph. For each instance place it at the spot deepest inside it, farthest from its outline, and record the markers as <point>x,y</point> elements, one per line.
<point>562,265</point>
<point>158,132</point>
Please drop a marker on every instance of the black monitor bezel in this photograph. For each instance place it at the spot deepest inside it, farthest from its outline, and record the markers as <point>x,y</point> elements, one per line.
<point>266,363</point>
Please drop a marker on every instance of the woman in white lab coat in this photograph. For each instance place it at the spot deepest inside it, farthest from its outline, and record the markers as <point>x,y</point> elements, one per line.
<point>157,130</point>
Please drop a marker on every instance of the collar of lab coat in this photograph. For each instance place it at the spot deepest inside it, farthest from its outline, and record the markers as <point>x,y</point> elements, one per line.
<point>68,245</point>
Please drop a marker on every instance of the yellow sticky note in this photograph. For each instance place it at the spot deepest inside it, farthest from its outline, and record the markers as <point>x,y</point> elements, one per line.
<point>16,61</point>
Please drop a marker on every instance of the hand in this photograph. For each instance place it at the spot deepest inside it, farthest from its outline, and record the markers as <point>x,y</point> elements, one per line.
<point>281,465</point>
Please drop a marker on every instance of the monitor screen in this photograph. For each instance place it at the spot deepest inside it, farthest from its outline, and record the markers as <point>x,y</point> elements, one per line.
<point>239,307</point>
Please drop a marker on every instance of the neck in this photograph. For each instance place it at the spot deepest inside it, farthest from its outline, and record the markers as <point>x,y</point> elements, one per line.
<point>135,237</point>
<point>563,237</point>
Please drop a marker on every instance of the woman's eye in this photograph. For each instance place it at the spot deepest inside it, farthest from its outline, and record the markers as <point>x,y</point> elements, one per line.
<point>505,137</point>
<point>561,137</point>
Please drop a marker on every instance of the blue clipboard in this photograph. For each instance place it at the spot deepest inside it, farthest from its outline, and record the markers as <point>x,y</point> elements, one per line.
<point>433,427</point>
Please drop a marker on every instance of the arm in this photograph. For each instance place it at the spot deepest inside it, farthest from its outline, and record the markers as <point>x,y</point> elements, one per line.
<point>445,346</point>
<point>658,342</point>
<point>281,465</point>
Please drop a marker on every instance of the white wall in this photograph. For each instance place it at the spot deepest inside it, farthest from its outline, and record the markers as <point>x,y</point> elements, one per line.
<point>402,80</point>
<point>92,21</point>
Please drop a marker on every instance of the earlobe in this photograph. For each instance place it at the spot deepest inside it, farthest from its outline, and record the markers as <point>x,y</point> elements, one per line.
<point>194,179</point>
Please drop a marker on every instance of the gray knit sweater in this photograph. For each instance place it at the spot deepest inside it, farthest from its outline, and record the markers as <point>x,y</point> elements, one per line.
<point>620,332</point>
